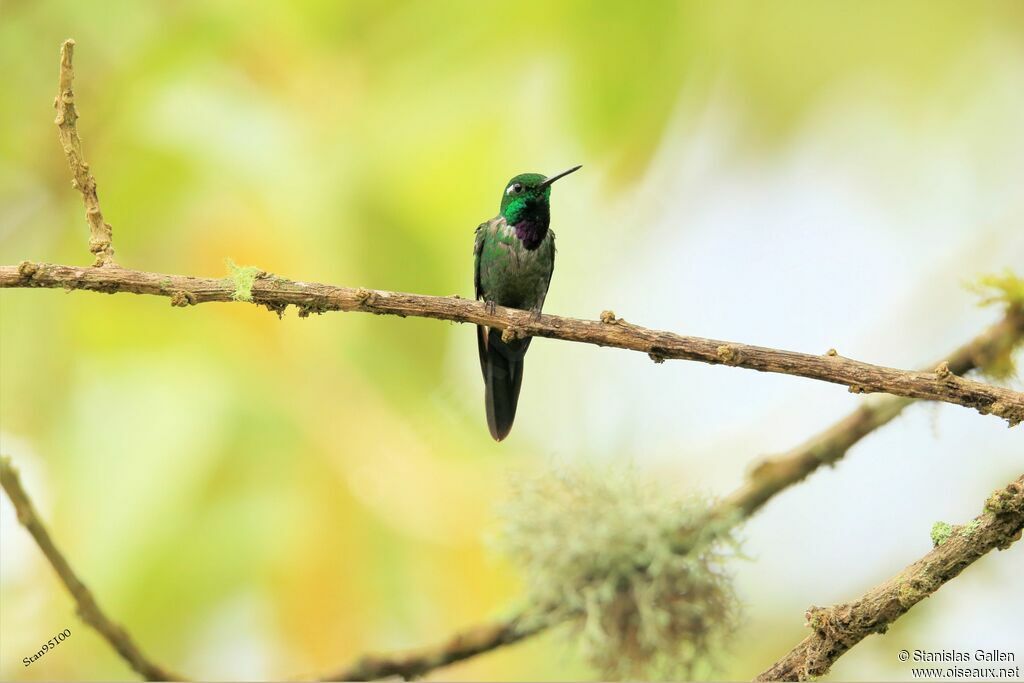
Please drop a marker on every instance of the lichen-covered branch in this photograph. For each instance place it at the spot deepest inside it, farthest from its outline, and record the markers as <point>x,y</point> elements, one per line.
<point>82,179</point>
<point>276,293</point>
<point>766,480</point>
<point>88,609</point>
<point>838,628</point>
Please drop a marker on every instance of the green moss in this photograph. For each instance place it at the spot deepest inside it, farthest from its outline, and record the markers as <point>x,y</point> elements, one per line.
<point>941,531</point>
<point>598,545</point>
<point>244,277</point>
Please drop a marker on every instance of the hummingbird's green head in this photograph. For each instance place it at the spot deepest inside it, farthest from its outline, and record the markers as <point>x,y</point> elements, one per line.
<point>526,196</point>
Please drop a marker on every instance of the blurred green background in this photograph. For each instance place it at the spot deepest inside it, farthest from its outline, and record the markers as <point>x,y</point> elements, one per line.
<point>264,498</point>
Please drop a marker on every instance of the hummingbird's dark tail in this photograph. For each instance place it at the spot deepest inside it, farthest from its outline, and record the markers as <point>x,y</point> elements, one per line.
<point>502,367</point>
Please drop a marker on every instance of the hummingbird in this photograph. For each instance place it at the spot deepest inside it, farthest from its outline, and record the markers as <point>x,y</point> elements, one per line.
<point>514,259</point>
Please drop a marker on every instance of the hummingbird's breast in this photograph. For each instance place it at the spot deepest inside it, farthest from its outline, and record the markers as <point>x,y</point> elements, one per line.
<point>532,226</point>
<point>511,273</point>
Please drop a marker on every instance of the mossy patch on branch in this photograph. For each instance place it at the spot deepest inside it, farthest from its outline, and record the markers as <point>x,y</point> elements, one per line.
<point>243,277</point>
<point>941,531</point>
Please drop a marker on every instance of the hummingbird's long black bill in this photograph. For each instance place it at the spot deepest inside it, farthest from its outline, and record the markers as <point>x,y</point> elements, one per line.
<point>548,181</point>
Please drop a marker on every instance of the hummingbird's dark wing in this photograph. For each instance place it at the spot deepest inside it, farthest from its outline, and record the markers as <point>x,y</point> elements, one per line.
<point>501,363</point>
<point>481,331</point>
<point>478,247</point>
<point>551,267</point>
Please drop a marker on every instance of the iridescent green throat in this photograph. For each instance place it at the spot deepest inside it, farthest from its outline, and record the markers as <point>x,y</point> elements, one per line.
<point>525,207</point>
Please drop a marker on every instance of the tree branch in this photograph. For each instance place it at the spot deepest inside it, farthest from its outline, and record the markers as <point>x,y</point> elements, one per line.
<point>88,609</point>
<point>82,179</point>
<point>839,628</point>
<point>766,480</point>
<point>774,474</point>
<point>462,645</point>
<point>276,293</point>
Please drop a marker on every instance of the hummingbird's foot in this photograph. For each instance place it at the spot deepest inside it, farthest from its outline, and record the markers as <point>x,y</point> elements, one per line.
<point>535,315</point>
<point>491,307</point>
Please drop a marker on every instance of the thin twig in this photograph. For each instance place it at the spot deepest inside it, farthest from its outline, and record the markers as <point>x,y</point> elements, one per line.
<point>82,179</point>
<point>276,293</point>
<point>773,474</point>
<point>462,645</point>
<point>766,480</point>
<point>88,609</point>
<point>838,628</point>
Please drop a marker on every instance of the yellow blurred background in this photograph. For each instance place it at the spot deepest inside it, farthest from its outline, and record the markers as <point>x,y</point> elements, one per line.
<point>262,498</point>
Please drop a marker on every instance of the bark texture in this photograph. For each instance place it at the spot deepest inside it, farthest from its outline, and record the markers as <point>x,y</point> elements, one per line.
<point>100,232</point>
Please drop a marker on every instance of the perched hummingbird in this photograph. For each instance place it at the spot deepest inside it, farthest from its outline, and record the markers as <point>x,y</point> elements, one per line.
<point>515,256</point>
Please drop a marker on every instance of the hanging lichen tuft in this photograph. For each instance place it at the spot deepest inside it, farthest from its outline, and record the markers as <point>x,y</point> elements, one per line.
<point>597,547</point>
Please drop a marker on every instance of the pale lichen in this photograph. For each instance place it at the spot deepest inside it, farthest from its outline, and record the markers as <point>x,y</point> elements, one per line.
<point>1006,501</point>
<point>596,546</point>
<point>1006,288</point>
<point>512,333</point>
<point>181,298</point>
<point>26,269</point>
<point>941,531</point>
<point>366,297</point>
<point>243,277</point>
<point>729,354</point>
<point>967,530</point>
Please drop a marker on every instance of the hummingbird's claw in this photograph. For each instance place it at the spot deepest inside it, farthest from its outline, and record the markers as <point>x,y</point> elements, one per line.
<point>491,307</point>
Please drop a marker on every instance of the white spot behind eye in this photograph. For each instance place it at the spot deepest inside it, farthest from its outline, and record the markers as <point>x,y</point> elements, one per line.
<point>514,188</point>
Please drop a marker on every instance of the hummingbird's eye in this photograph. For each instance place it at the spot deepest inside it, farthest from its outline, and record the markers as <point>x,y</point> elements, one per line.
<point>514,188</point>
